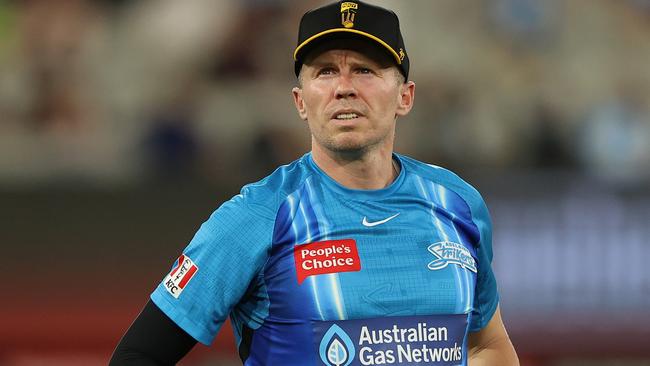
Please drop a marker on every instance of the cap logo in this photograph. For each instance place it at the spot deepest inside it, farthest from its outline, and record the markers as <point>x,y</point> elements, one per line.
<point>347,13</point>
<point>402,54</point>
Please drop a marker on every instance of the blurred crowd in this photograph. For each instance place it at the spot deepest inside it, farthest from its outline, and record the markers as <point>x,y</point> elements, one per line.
<point>123,92</point>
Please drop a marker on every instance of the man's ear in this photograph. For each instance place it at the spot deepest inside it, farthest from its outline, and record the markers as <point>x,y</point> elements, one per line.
<point>406,98</point>
<point>299,102</point>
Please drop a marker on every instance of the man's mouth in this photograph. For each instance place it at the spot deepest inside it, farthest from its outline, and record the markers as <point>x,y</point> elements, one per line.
<point>346,116</point>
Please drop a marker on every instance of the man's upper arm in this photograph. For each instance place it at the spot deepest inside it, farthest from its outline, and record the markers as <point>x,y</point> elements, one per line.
<point>222,258</point>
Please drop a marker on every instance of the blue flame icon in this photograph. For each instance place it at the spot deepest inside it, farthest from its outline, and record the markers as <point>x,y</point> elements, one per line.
<point>336,347</point>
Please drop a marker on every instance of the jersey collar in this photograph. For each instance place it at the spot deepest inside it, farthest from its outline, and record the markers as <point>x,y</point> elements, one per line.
<point>358,194</point>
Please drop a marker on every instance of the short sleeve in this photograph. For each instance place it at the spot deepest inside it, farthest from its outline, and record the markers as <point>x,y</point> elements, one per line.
<point>486,296</point>
<point>215,269</point>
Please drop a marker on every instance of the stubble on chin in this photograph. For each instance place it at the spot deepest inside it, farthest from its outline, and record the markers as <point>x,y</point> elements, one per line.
<point>346,146</point>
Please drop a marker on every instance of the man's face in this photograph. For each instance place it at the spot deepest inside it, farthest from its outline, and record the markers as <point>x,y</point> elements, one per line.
<point>351,99</point>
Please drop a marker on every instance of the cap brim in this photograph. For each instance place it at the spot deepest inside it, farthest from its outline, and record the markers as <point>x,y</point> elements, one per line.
<point>313,38</point>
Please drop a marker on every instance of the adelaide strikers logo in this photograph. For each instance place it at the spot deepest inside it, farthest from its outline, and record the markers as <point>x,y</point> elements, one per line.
<point>336,347</point>
<point>449,252</point>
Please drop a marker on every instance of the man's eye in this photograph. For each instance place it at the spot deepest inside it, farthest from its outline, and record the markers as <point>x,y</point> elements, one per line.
<point>364,70</point>
<point>326,71</point>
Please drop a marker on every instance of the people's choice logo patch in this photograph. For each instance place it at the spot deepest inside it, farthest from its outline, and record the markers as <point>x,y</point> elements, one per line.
<point>181,274</point>
<point>336,347</point>
<point>449,252</point>
<point>331,256</point>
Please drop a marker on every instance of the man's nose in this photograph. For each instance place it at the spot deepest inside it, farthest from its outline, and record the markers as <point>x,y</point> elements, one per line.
<point>345,87</point>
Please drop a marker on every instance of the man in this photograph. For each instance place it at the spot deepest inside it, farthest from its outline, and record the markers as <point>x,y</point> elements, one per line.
<point>351,255</point>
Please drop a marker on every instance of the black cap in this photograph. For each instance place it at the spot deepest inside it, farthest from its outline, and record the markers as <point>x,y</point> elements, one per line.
<point>345,19</point>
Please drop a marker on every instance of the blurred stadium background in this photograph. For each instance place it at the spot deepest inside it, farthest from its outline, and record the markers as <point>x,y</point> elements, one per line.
<point>124,123</point>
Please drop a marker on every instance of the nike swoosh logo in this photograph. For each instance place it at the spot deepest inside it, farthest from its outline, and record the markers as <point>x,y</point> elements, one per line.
<point>365,221</point>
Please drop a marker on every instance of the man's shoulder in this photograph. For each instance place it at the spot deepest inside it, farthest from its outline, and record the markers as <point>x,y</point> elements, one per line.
<point>267,194</point>
<point>442,176</point>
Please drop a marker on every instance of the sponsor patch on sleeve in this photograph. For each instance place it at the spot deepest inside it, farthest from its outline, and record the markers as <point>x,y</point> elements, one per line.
<point>180,276</point>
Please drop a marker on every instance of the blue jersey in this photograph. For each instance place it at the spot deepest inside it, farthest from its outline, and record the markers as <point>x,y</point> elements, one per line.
<point>313,273</point>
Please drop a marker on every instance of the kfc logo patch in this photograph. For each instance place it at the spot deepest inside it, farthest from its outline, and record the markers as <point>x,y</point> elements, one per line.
<point>180,275</point>
<point>331,256</point>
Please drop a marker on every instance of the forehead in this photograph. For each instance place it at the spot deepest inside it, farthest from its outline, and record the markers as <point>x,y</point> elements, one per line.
<point>356,49</point>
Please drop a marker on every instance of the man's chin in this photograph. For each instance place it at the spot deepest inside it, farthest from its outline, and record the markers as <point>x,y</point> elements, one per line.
<point>350,143</point>
<point>348,147</point>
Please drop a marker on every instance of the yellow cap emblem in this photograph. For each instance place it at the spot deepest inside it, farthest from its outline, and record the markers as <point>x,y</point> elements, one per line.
<point>347,14</point>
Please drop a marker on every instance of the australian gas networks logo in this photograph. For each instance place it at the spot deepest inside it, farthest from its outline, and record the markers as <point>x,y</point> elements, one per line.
<point>336,347</point>
<point>400,341</point>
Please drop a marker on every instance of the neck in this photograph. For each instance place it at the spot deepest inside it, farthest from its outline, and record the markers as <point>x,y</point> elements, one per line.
<point>370,170</point>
